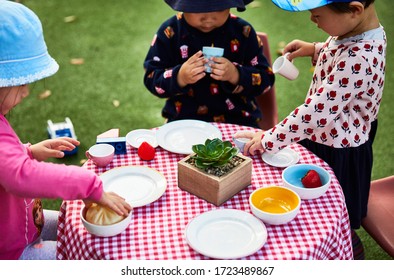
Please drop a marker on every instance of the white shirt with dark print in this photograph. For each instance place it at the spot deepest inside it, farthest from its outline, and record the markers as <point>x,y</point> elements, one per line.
<point>343,98</point>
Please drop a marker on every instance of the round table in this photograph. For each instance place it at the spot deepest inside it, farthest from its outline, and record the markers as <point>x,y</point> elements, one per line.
<point>321,230</point>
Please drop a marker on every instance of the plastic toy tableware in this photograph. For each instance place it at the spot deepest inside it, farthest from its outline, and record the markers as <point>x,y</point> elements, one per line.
<point>292,176</point>
<point>101,154</point>
<point>275,205</point>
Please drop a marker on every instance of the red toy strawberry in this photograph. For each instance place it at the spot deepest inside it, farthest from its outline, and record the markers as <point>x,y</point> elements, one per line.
<point>311,179</point>
<point>146,151</point>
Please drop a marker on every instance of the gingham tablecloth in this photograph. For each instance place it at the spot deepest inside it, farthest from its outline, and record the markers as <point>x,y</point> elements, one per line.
<point>157,231</point>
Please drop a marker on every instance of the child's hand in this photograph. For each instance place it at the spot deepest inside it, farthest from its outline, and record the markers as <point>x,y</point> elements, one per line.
<point>192,70</point>
<point>255,141</point>
<point>53,148</point>
<point>298,48</point>
<point>224,70</point>
<point>114,202</point>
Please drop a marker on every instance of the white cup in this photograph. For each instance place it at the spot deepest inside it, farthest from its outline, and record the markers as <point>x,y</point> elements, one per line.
<point>240,143</point>
<point>210,52</point>
<point>285,67</point>
<point>101,154</point>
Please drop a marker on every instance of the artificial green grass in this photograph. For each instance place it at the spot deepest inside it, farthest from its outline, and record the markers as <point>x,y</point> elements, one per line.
<point>113,38</point>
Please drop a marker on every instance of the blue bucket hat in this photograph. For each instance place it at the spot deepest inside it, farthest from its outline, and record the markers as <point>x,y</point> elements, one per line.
<point>24,56</point>
<point>206,6</point>
<point>304,5</point>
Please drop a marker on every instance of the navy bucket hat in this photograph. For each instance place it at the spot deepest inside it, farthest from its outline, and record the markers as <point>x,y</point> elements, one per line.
<point>304,5</point>
<point>24,56</point>
<point>206,6</point>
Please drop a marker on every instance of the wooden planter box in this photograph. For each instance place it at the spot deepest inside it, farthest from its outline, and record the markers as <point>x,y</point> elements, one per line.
<point>211,188</point>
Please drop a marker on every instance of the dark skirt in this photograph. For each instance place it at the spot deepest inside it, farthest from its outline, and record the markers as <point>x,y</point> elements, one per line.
<point>353,169</point>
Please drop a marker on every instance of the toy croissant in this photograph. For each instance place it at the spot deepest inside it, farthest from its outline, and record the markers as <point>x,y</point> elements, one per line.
<point>100,215</point>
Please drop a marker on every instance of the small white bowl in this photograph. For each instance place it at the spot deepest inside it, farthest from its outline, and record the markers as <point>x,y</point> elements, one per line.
<point>105,230</point>
<point>292,176</point>
<point>135,137</point>
<point>275,205</point>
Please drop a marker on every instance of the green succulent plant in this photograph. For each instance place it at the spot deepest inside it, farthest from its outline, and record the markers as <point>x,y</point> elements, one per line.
<point>213,153</point>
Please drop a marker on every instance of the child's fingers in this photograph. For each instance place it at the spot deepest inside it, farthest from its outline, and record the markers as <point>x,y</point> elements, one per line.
<point>54,154</point>
<point>61,144</point>
<point>198,55</point>
<point>244,134</point>
<point>70,140</point>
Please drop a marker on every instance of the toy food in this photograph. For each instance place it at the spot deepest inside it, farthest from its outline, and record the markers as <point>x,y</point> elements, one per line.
<point>100,215</point>
<point>311,179</point>
<point>146,151</point>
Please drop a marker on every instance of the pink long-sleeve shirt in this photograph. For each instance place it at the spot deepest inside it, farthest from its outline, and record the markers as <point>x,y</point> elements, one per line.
<point>22,179</point>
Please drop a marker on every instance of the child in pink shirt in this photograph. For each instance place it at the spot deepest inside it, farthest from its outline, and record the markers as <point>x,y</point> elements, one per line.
<point>24,176</point>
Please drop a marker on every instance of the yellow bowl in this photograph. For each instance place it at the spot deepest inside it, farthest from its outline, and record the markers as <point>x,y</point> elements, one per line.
<point>275,205</point>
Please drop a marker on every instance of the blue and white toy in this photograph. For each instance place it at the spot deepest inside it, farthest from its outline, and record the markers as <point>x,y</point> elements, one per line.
<point>62,129</point>
<point>112,137</point>
<point>119,144</point>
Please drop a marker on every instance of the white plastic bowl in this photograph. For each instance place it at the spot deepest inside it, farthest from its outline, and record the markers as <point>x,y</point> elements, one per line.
<point>105,230</point>
<point>275,205</point>
<point>292,176</point>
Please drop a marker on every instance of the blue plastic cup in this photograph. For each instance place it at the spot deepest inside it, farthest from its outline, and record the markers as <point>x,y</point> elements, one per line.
<point>210,52</point>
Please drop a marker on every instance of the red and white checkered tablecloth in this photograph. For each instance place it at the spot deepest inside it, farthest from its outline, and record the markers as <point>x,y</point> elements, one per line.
<point>320,231</point>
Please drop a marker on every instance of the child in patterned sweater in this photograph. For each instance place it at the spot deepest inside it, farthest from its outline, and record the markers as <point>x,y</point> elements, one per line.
<point>175,68</point>
<point>338,120</point>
